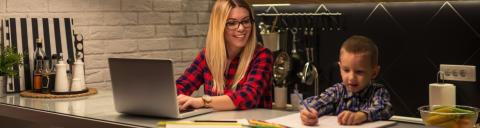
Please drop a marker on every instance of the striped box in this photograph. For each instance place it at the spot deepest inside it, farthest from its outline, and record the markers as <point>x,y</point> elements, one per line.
<point>21,33</point>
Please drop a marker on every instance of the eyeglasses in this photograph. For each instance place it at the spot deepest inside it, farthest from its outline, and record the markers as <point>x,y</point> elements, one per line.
<point>232,25</point>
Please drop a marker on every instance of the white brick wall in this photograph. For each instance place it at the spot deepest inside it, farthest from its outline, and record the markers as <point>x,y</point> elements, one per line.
<point>64,5</point>
<point>183,18</point>
<point>197,30</point>
<point>3,5</point>
<point>120,18</point>
<point>137,5</point>
<point>94,47</point>
<point>104,32</point>
<point>153,44</point>
<point>168,5</point>
<point>120,46</point>
<point>196,5</point>
<point>173,29</point>
<point>170,30</point>
<point>96,61</point>
<point>204,18</point>
<point>153,18</point>
<point>27,5</point>
<point>139,31</point>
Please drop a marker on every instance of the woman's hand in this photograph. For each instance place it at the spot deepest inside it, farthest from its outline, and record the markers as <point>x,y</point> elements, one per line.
<point>351,118</point>
<point>187,101</point>
<point>309,118</point>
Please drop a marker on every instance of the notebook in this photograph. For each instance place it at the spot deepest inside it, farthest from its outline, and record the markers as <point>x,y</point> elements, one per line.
<point>293,120</point>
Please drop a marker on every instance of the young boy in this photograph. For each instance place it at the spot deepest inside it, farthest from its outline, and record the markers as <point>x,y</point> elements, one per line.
<point>356,99</point>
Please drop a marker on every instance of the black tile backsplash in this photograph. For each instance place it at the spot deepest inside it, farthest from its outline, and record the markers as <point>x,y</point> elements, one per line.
<point>414,38</point>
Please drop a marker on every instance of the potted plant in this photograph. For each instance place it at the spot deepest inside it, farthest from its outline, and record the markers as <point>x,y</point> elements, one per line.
<point>8,58</point>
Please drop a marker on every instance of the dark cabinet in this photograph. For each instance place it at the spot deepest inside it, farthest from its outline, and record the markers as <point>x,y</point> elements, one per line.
<point>325,1</point>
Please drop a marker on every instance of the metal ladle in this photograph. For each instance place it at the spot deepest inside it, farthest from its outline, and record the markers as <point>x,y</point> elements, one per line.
<point>294,46</point>
<point>309,75</point>
<point>310,72</point>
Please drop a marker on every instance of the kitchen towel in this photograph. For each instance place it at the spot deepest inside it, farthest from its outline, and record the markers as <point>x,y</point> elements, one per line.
<point>441,94</point>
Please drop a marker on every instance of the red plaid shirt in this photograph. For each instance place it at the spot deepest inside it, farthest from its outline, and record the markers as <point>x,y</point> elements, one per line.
<point>253,91</point>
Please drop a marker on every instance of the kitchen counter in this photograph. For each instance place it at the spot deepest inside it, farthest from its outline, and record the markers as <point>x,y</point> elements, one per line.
<point>99,111</point>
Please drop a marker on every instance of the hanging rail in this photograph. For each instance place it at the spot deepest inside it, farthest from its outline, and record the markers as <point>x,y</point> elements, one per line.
<point>301,14</point>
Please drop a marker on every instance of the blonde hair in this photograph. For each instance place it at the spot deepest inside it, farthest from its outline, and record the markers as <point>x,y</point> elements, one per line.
<point>216,53</point>
<point>361,45</point>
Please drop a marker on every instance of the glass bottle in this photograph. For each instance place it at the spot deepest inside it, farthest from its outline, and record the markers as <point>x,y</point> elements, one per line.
<point>37,75</point>
<point>39,65</point>
<point>46,75</point>
<point>53,72</point>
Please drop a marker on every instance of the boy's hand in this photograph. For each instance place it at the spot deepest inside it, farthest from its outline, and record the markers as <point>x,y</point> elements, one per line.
<point>351,118</point>
<point>309,118</point>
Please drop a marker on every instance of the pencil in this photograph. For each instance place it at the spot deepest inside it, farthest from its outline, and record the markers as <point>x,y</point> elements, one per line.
<point>165,123</point>
<point>223,121</point>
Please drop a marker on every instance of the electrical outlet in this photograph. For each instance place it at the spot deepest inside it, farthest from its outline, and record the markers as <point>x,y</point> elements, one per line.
<point>458,72</point>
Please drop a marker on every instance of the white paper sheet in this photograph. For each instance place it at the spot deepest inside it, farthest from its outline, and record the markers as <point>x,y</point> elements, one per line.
<point>200,126</point>
<point>190,124</point>
<point>293,120</point>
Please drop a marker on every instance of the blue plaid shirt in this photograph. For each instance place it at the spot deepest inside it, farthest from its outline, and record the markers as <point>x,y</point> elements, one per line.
<point>374,100</point>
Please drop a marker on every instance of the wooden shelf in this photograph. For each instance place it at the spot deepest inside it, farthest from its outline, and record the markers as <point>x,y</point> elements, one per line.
<point>326,1</point>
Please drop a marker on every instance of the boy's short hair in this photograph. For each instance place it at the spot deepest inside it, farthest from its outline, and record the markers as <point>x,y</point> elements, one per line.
<point>357,44</point>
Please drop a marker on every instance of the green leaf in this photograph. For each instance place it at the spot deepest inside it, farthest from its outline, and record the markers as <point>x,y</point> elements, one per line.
<point>8,59</point>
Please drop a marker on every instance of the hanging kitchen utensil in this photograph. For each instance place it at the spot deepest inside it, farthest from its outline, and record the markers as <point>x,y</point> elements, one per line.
<point>302,74</point>
<point>281,66</point>
<point>309,75</point>
<point>294,31</point>
<point>310,72</point>
<point>306,74</point>
<point>294,46</point>
<point>296,59</point>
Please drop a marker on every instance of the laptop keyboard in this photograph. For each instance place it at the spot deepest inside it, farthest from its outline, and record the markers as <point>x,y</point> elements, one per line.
<point>186,110</point>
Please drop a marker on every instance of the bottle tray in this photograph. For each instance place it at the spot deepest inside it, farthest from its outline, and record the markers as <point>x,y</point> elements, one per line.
<point>69,93</point>
<point>31,94</point>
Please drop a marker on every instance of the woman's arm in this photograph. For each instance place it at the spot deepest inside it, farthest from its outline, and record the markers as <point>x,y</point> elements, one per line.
<point>218,102</point>
<point>249,94</point>
<point>222,103</point>
<point>192,78</point>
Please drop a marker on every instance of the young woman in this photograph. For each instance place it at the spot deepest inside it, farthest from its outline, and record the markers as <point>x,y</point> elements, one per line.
<point>234,70</point>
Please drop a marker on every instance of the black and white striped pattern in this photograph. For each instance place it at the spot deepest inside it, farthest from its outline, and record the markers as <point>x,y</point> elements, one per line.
<point>21,34</point>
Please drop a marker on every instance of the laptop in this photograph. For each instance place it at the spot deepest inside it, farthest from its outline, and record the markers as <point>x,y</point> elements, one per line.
<point>146,87</point>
